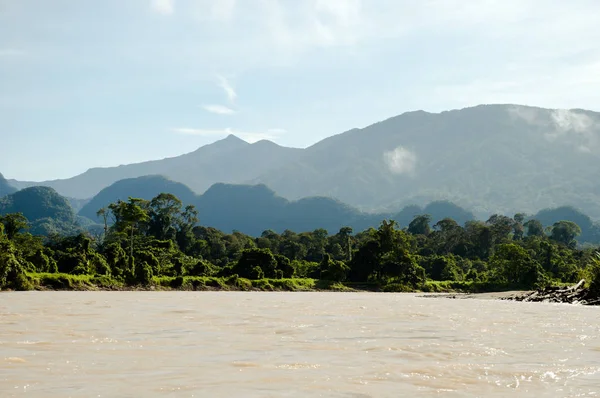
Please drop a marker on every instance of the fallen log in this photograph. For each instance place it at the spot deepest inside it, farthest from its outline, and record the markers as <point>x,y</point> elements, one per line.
<point>576,294</point>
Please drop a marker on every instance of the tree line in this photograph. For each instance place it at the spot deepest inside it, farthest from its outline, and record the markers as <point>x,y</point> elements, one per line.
<point>143,240</point>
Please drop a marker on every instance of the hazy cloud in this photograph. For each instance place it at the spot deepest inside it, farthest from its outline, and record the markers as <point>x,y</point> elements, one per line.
<point>226,86</point>
<point>563,126</point>
<point>218,109</point>
<point>165,7</point>
<point>567,120</point>
<point>400,160</point>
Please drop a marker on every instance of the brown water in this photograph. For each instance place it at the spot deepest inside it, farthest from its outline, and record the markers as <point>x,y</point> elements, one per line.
<point>226,344</point>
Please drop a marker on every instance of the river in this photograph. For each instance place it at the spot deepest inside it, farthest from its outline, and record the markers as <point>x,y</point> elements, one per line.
<point>252,344</point>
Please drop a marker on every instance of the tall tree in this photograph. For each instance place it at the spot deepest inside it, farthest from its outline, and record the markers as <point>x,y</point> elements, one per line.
<point>420,225</point>
<point>565,232</point>
<point>13,224</point>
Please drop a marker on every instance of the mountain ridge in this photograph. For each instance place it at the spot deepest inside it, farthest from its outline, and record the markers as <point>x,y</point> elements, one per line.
<point>5,187</point>
<point>491,158</point>
<point>251,209</point>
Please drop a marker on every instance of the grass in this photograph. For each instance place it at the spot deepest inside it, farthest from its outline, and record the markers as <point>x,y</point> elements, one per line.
<point>73,282</point>
<point>59,281</point>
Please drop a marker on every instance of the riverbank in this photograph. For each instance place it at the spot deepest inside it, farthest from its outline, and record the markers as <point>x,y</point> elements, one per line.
<point>453,289</point>
<point>575,294</point>
<point>503,295</point>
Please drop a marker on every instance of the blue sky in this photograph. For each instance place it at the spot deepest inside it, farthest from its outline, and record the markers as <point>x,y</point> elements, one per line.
<point>100,83</point>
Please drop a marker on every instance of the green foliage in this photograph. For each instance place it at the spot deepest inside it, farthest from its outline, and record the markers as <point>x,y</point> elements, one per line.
<point>442,268</point>
<point>12,271</point>
<point>420,225</point>
<point>565,232</point>
<point>157,244</point>
<point>46,211</point>
<point>255,262</point>
<point>142,273</point>
<point>514,265</point>
<point>595,276</point>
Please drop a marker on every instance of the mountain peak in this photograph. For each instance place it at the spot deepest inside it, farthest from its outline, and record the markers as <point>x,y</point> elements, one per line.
<point>5,187</point>
<point>233,138</point>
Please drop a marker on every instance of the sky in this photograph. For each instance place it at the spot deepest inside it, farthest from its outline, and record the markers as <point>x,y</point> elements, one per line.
<point>88,83</point>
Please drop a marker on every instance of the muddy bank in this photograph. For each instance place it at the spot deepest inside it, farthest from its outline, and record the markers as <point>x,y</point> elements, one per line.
<point>576,294</point>
<point>509,295</point>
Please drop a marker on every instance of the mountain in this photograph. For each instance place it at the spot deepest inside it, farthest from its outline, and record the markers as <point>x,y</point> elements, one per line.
<point>252,209</point>
<point>229,160</point>
<point>590,231</point>
<point>245,208</point>
<point>490,158</point>
<point>146,187</point>
<point>46,210</point>
<point>5,187</point>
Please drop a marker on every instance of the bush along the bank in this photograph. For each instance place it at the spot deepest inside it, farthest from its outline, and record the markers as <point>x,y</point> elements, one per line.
<point>159,243</point>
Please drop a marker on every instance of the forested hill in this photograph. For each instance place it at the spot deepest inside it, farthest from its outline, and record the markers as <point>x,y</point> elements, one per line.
<point>254,209</point>
<point>158,243</point>
<point>488,158</point>
<point>250,209</point>
<point>5,187</point>
<point>145,187</point>
<point>47,211</point>
<point>230,160</point>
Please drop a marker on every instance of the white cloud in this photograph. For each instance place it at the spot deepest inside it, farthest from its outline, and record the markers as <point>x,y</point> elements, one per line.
<point>218,109</point>
<point>563,126</point>
<point>567,120</point>
<point>251,137</point>
<point>401,161</point>
<point>226,86</point>
<point>165,7</point>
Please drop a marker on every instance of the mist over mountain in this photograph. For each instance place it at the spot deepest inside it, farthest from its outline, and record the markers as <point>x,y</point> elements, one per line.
<point>488,158</point>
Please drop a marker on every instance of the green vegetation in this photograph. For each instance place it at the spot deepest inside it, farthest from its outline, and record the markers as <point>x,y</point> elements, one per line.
<point>160,244</point>
<point>5,187</point>
<point>47,212</point>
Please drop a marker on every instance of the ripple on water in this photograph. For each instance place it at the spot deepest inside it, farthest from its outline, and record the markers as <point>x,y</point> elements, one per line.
<point>293,345</point>
<point>15,360</point>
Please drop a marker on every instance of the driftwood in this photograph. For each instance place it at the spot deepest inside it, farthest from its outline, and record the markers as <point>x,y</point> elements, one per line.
<point>576,294</point>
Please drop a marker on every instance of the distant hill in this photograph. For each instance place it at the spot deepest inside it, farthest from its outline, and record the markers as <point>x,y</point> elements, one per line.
<point>590,231</point>
<point>229,160</point>
<point>146,187</point>
<point>5,187</point>
<point>252,209</point>
<point>487,158</point>
<point>46,210</point>
<point>246,208</point>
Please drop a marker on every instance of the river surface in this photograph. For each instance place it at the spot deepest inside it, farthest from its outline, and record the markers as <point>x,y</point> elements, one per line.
<point>250,344</point>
